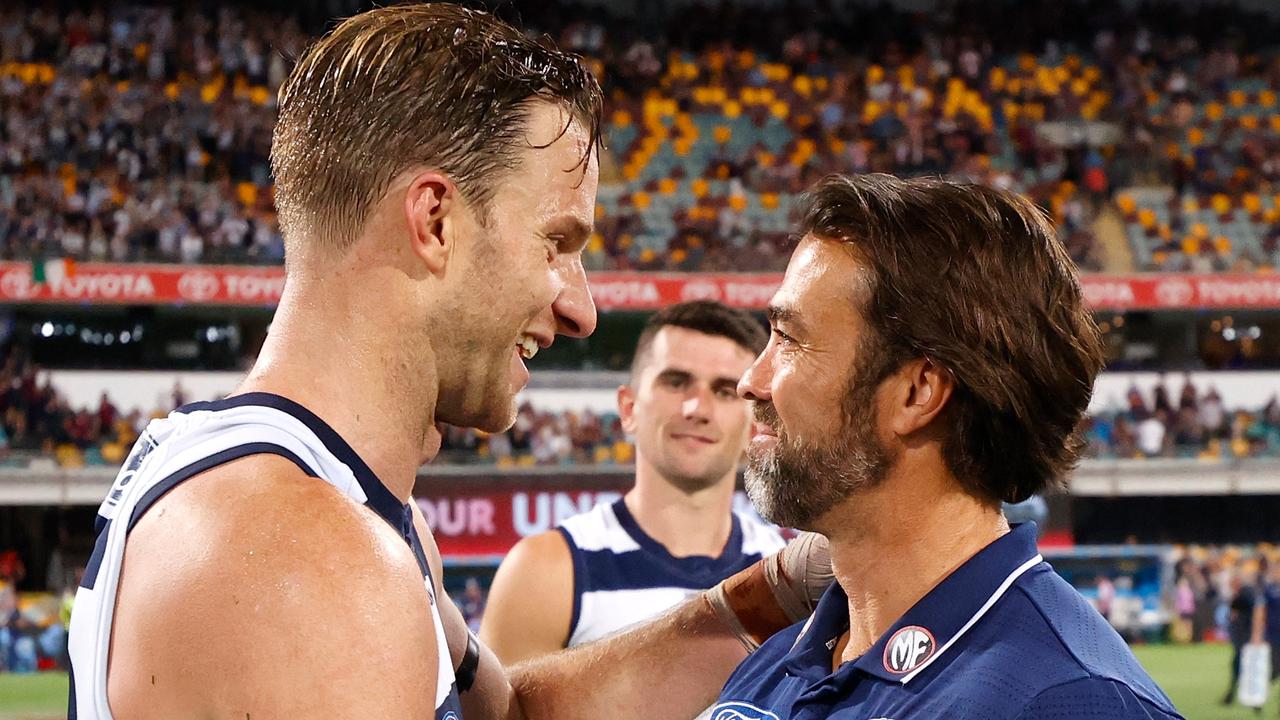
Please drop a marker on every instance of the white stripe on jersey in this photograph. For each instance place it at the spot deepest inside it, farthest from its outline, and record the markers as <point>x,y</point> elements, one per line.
<point>168,446</point>
<point>621,579</point>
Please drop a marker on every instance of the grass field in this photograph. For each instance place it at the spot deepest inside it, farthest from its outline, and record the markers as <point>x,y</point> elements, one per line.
<point>1194,676</point>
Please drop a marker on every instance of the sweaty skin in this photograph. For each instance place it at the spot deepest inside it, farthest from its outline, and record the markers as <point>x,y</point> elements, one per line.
<point>253,591</point>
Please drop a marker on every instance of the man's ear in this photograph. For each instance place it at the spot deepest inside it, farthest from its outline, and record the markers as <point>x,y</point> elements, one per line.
<point>627,408</point>
<point>924,388</point>
<point>429,200</point>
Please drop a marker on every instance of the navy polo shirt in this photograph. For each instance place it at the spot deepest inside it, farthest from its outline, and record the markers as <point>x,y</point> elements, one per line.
<point>1003,636</point>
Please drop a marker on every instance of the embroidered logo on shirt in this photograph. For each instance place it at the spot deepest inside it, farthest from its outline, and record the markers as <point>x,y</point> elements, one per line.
<point>740,711</point>
<point>908,649</point>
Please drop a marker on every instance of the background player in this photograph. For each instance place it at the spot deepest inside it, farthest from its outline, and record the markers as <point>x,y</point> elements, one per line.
<point>673,534</point>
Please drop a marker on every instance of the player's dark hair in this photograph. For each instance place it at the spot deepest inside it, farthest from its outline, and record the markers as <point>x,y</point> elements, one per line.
<point>436,85</point>
<point>705,316</point>
<point>976,280</point>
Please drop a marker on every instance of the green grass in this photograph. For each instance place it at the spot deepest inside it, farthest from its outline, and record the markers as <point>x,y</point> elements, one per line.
<point>33,697</point>
<point>1195,676</point>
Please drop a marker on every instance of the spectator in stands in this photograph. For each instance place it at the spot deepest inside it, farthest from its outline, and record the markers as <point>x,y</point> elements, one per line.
<point>1151,434</point>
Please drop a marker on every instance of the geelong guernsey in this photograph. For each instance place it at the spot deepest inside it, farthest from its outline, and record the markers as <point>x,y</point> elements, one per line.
<point>191,440</point>
<point>622,577</point>
<point>1003,637</point>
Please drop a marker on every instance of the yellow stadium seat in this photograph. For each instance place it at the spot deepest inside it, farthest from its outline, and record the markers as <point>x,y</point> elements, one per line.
<point>1195,136</point>
<point>1222,244</point>
<point>1200,230</point>
<point>1267,98</point>
<point>1237,98</point>
<point>1190,246</point>
<point>601,455</point>
<point>667,186</point>
<point>247,194</point>
<point>1147,218</point>
<point>1126,203</point>
<point>1221,204</point>
<point>699,188</point>
<point>1252,203</point>
<point>641,200</point>
<point>996,78</point>
<point>769,201</point>
<point>1249,122</point>
<point>1213,111</point>
<point>738,202</point>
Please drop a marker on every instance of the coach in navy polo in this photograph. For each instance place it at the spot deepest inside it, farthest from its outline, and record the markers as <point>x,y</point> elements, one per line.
<point>931,356</point>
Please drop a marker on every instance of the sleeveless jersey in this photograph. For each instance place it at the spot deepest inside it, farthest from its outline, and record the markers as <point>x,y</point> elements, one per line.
<point>622,577</point>
<point>191,440</point>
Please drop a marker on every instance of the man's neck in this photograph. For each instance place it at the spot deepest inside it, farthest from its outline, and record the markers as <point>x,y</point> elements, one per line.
<point>896,542</point>
<point>687,524</point>
<point>336,358</point>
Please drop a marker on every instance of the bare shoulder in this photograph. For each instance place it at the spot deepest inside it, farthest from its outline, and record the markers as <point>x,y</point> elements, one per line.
<point>544,559</point>
<point>236,575</point>
<point>530,608</point>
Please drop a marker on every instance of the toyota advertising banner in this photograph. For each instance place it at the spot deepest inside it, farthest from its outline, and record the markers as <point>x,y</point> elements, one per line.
<point>102,283</point>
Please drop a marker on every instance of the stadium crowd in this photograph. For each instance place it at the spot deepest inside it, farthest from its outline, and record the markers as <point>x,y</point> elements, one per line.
<point>131,133</point>
<point>1196,425</point>
<point>35,419</point>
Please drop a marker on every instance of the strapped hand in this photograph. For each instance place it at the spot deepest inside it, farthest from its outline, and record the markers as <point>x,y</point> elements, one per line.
<point>776,592</point>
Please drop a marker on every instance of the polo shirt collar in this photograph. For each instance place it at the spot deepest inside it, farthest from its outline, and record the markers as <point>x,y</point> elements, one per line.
<point>926,631</point>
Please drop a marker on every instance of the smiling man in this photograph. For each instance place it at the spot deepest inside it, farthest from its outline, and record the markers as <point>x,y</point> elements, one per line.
<point>672,535</point>
<point>258,556</point>
<point>931,356</point>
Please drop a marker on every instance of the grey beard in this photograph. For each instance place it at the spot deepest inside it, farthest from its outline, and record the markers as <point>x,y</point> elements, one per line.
<point>793,486</point>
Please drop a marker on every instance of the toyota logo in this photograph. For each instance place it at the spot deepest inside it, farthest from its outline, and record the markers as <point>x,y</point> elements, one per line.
<point>198,286</point>
<point>1175,293</point>
<point>18,285</point>
<point>700,290</point>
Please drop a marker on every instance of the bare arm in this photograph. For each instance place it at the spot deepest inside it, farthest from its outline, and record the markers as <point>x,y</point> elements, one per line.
<point>262,593</point>
<point>530,603</point>
<point>673,667</point>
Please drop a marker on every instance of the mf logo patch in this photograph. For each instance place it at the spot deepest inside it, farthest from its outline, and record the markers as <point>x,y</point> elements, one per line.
<point>908,649</point>
<point>740,711</point>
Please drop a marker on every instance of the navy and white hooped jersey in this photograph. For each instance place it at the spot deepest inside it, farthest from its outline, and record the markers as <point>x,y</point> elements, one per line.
<point>622,577</point>
<point>1003,637</point>
<point>191,440</point>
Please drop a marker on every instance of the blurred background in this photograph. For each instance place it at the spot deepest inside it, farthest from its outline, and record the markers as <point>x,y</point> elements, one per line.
<point>140,261</point>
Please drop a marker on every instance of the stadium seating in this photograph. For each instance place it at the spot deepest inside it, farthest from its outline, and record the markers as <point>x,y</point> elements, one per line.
<point>121,145</point>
